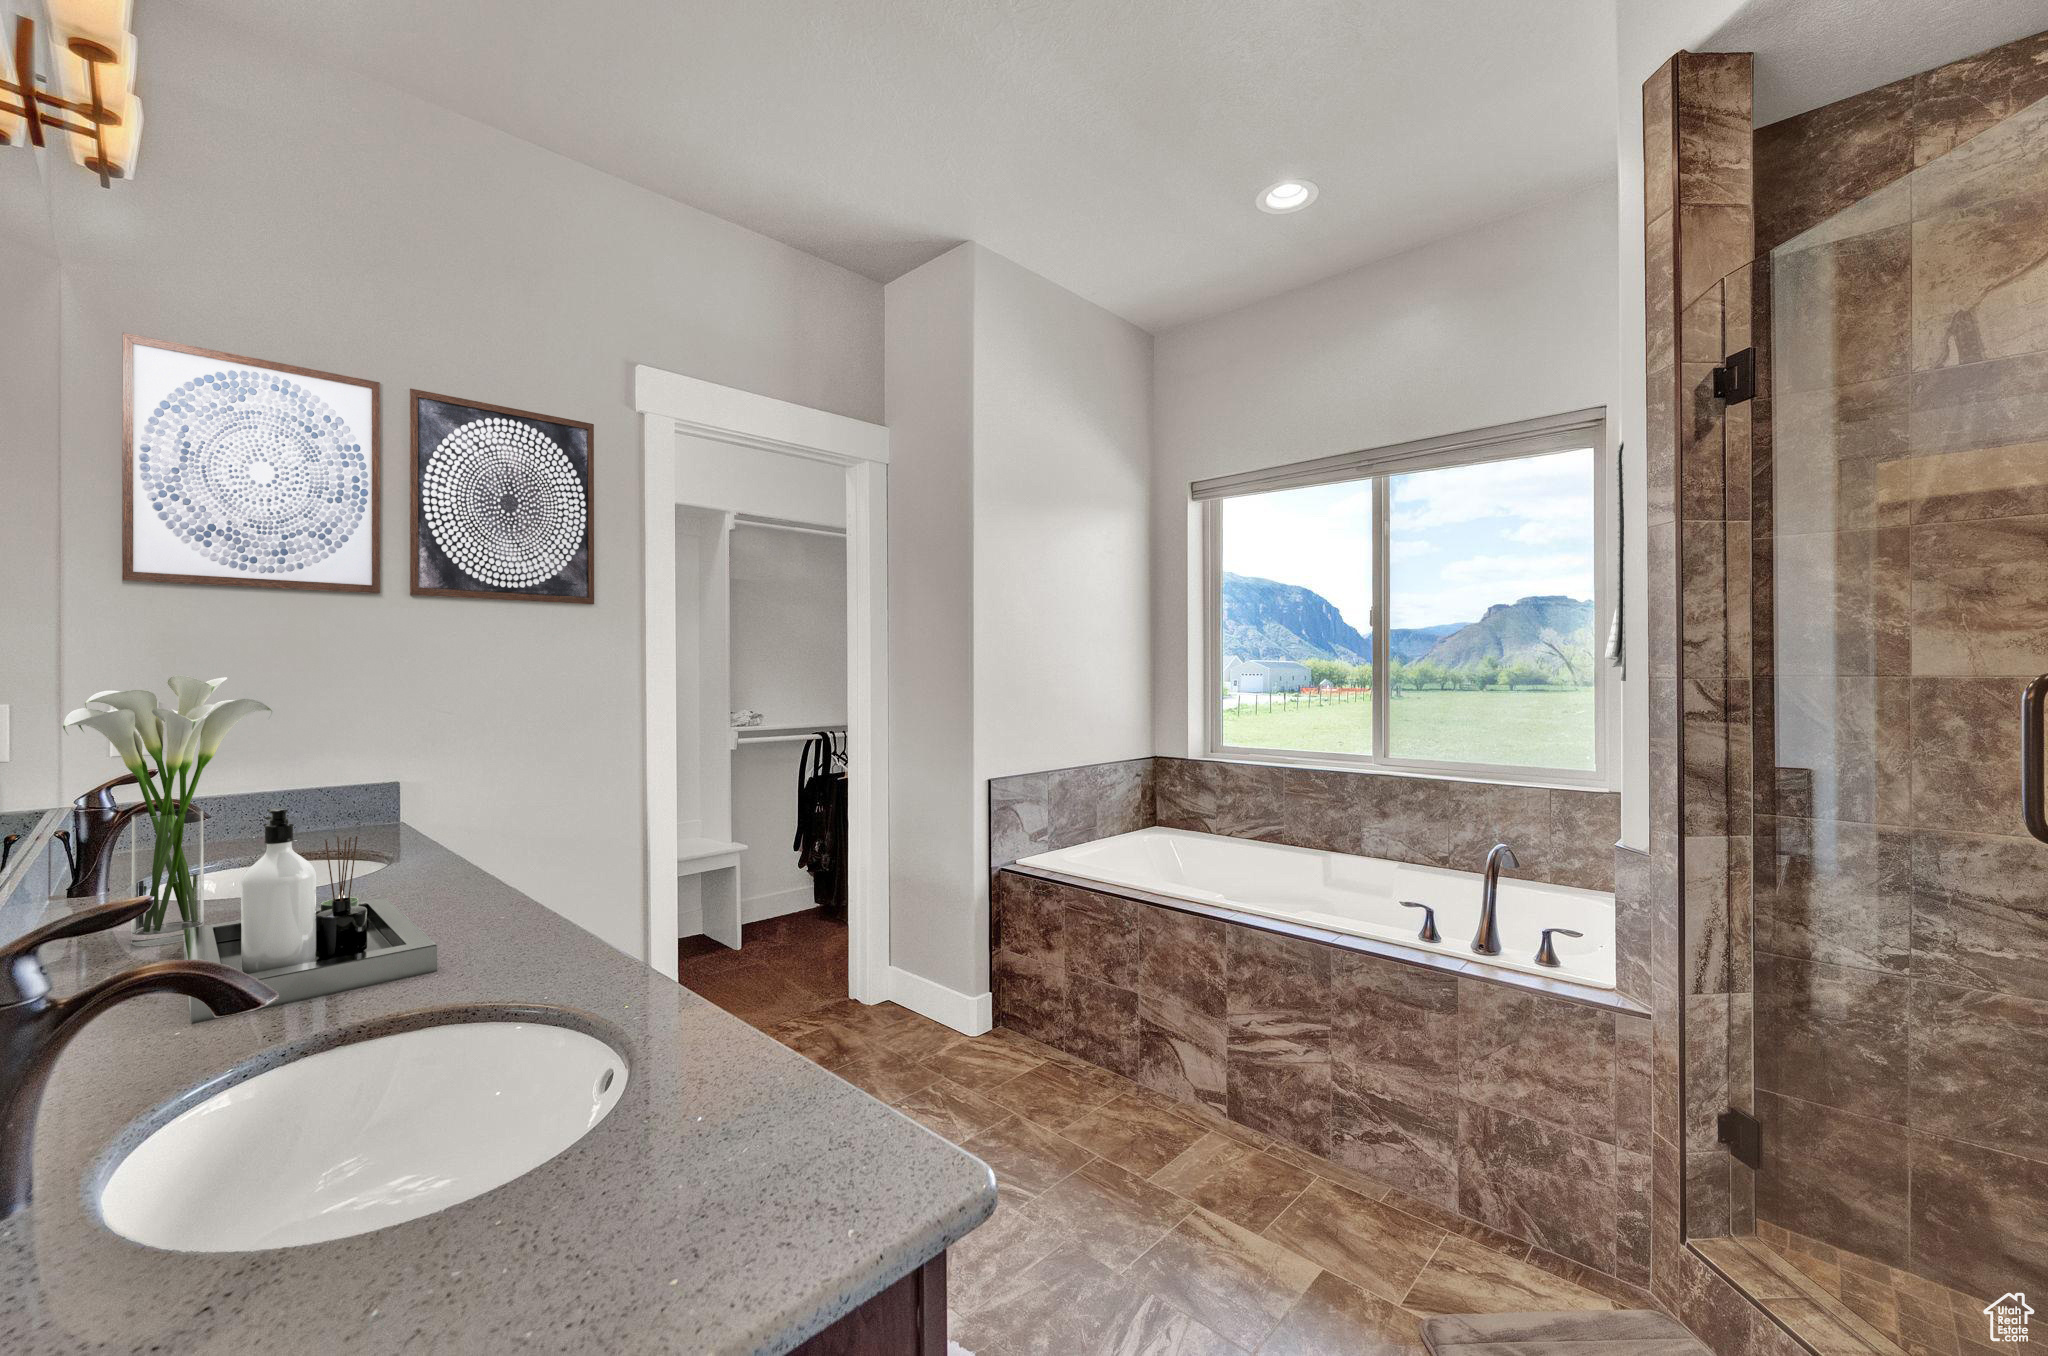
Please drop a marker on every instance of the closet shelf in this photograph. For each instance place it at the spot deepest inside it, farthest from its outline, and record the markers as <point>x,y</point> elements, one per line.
<point>782,734</point>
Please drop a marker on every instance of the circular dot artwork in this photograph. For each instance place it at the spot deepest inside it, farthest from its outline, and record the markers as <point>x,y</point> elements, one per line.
<point>503,502</point>
<point>253,471</point>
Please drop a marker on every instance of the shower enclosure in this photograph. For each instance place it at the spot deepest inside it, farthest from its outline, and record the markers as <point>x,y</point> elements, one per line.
<point>1866,927</point>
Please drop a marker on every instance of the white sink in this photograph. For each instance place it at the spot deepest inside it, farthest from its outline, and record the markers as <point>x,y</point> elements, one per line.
<point>363,1136</point>
<point>227,884</point>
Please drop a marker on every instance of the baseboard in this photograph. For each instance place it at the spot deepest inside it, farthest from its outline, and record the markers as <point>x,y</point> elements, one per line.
<point>969,1014</point>
<point>760,908</point>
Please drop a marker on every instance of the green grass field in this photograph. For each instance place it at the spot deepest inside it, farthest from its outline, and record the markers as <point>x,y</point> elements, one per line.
<point>1532,728</point>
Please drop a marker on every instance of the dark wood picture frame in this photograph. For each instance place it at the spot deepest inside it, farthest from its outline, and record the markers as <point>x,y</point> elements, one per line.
<point>589,594</point>
<point>128,571</point>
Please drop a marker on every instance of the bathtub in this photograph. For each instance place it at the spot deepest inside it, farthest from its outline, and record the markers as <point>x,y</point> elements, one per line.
<point>1354,896</point>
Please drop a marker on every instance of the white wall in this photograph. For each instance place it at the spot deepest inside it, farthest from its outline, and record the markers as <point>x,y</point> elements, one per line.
<point>29,484</point>
<point>1507,322</point>
<point>296,213</point>
<point>789,663</point>
<point>929,328</point>
<point>1647,32</point>
<point>1019,482</point>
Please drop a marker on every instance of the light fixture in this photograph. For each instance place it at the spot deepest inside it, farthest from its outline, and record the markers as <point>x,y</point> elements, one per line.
<point>93,50</point>
<point>1289,195</point>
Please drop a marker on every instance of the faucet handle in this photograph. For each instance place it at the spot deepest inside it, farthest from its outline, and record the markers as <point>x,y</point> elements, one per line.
<point>1429,932</point>
<point>1546,954</point>
<point>21,974</point>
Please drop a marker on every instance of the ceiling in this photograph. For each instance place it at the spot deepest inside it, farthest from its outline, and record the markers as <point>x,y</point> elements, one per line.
<point>1113,146</point>
<point>1813,52</point>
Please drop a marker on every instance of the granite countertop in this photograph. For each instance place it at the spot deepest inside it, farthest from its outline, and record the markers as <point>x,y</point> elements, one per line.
<point>738,1199</point>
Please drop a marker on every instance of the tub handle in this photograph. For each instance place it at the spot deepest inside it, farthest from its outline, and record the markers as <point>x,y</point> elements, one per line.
<point>1546,954</point>
<point>1429,932</point>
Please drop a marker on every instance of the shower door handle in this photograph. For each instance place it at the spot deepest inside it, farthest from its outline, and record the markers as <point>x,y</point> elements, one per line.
<point>2030,757</point>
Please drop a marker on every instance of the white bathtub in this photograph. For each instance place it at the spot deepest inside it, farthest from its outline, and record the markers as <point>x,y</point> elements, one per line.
<point>1357,896</point>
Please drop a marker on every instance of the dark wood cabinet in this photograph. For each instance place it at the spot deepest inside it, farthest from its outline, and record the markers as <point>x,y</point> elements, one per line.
<point>907,1319</point>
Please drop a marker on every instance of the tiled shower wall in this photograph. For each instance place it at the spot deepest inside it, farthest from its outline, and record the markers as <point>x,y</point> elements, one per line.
<point>1698,231</point>
<point>1901,934</point>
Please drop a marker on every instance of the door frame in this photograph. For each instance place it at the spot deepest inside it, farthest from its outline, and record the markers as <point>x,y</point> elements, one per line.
<point>669,404</point>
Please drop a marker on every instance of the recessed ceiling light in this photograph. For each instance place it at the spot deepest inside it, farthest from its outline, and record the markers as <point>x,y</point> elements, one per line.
<point>1289,195</point>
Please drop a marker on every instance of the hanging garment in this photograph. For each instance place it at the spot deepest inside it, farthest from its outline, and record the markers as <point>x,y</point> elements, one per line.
<point>821,820</point>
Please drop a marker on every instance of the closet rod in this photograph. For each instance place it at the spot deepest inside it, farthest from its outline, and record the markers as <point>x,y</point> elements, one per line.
<point>785,525</point>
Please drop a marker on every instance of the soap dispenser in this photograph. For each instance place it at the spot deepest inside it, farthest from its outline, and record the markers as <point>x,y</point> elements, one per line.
<point>279,901</point>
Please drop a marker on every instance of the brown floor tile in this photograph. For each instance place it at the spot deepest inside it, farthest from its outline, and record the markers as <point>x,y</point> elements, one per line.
<point>1074,1306</point>
<point>1243,1185</point>
<point>1028,1159</point>
<point>1335,1318</point>
<point>1135,1133</point>
<point>885,1075</point>
<point>1450,1221</point>
<point>1231,1280</point>
<point>1109,1214</point>
<point>1469,1278</point>
<point>1056,1096</point>
<point>1368,1243</point>
<point>950,1111</point>
<point>989,1261</point>
<point>980,1064</point>
<point>1586,1278</point>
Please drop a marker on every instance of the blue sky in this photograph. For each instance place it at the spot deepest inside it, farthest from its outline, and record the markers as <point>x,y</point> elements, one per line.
<point>1463,538</point>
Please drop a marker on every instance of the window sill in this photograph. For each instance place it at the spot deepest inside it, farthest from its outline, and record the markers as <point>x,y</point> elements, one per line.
<point>1278,759</point>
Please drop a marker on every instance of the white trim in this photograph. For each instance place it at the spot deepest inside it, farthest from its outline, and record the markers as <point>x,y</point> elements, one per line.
<point>776,903</point>
<point>1526,438</point>
<point>728,415</point>
<point>1532,437</point>
<point>670,403</point>
<point>968,1014</point>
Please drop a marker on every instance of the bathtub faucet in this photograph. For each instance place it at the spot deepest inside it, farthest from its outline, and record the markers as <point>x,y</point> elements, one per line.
<point>1487,940</point>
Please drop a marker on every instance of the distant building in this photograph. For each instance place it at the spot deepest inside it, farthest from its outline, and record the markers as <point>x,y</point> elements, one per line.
<point>1266,675</point>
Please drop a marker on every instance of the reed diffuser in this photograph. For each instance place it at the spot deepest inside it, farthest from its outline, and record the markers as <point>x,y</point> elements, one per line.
<point>342,926</point>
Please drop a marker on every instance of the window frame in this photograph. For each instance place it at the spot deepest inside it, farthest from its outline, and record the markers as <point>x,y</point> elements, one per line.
<point>1536,437</point>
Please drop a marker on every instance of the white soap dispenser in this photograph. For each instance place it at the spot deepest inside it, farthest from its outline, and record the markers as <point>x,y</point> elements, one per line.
<point>279,902</point>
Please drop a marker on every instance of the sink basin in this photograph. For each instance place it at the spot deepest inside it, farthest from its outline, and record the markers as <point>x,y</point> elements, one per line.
<point>363,1136</point>
<point>227,884</point>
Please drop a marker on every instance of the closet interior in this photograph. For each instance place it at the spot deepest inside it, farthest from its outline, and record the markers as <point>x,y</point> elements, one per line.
<point>761,723</point>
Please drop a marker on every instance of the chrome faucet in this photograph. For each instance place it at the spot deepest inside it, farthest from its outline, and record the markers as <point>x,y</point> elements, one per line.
<point>1487,940</point>
<point>35,1028</point>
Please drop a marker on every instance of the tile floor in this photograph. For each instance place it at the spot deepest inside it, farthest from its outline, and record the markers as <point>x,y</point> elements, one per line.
<point>1130,1223</point>
<point>1844,1304</point>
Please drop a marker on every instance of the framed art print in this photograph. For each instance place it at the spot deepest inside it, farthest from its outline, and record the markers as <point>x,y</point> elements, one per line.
<point>245,472</point>
<point>502,503</point>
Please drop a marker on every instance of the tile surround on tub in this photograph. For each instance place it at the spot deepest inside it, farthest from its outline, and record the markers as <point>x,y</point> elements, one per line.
<point>1563,836</point>
<point>1439,1083</point>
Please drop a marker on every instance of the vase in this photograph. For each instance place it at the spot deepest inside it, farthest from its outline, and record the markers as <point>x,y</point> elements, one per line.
<point>172,875</point>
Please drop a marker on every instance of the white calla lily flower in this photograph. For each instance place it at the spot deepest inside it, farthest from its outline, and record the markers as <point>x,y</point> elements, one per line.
<point>181,739</point>
<point>142,702</point>
<point>193,692</point>
<point>220,720</point>
<point>117,727</point>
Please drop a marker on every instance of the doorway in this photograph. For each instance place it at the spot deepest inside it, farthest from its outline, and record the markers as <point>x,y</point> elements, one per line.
<point>721,465</point>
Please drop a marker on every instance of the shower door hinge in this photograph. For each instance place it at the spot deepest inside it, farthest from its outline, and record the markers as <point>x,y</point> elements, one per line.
<point>1735,378</point>
<point>1744,1136</point>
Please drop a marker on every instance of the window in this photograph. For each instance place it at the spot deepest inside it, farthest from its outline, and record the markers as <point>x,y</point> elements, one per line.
<point>1484,556</point>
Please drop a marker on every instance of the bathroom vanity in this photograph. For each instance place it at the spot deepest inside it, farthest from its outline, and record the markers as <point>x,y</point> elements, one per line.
<point>733,1198</point>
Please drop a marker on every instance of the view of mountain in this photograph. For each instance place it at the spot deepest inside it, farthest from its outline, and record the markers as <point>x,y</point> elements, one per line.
<point>1512,631</point>
<point>1265,619</point>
